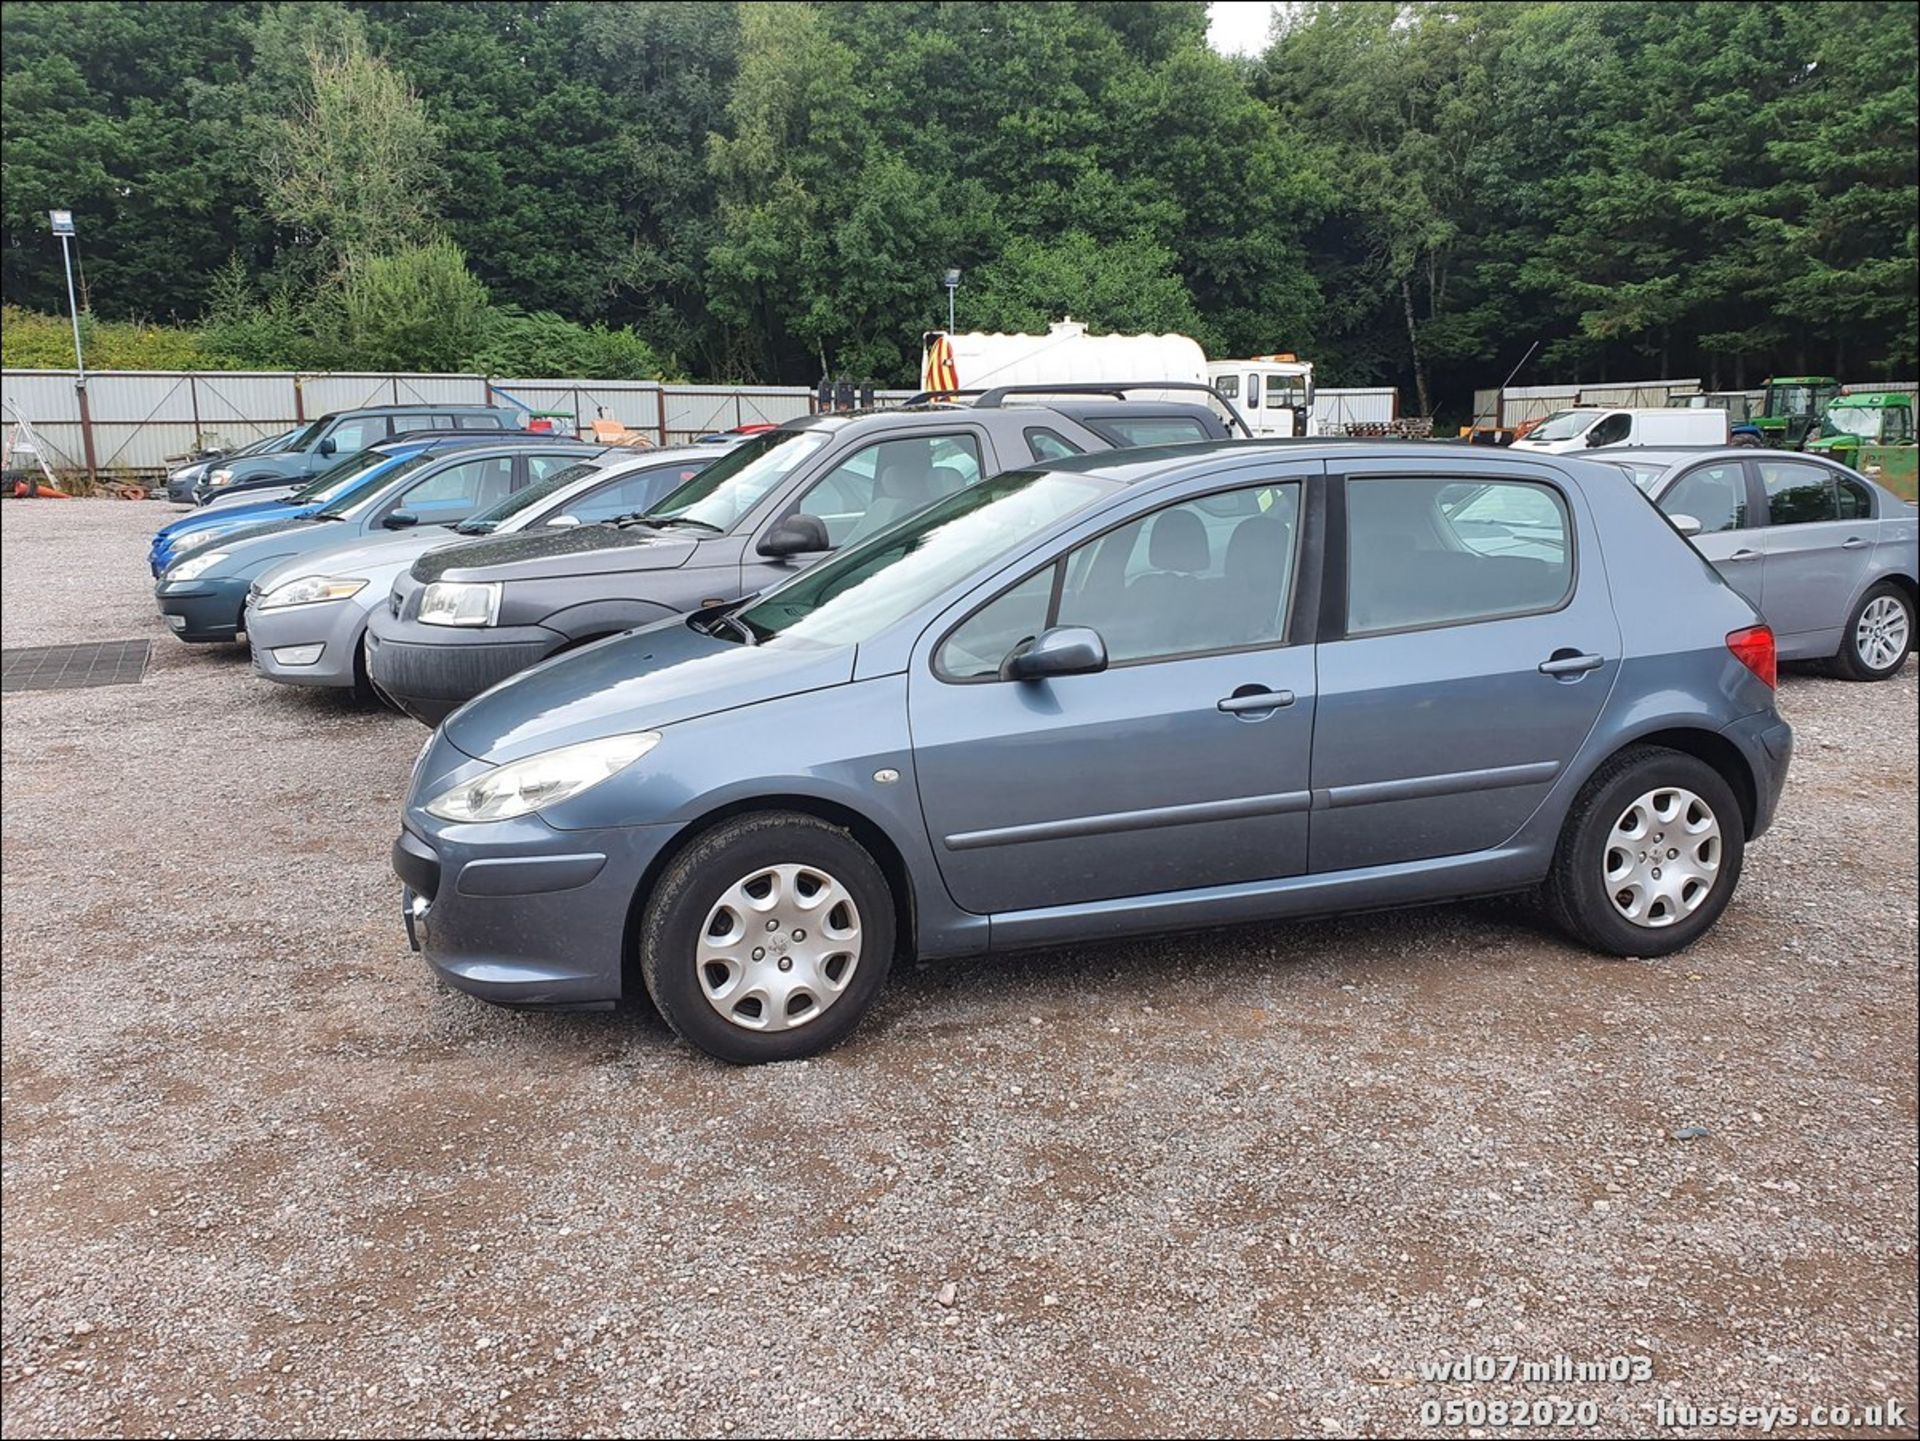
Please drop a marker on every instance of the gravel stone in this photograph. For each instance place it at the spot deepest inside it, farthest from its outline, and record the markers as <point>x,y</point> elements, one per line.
<point>262,1176</point>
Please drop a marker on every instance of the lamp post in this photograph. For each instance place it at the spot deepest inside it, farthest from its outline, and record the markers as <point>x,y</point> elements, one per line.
<point>952,281</point>
<point>61,222</point>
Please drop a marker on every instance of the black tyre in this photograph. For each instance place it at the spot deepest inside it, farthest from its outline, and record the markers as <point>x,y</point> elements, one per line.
<point>1878,636</point>
<point>1649,856</point>
<point>768,938</point>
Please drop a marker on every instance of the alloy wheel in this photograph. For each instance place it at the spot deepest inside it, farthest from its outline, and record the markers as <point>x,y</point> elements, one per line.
<point>1881,637</point>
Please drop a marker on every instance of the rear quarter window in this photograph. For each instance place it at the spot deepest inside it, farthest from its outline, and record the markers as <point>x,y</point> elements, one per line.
<point>1148,430</point>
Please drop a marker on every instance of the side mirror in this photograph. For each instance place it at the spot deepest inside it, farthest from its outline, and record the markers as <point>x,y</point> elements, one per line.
<point>326,446</point>
<point>1687,525</point>
<point>400,520</point>
<point>563,521</point>
<point>794,536</point>
<point>1064,650</point>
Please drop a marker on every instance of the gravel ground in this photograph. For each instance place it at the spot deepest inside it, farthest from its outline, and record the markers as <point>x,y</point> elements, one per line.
<point>261,1176</point>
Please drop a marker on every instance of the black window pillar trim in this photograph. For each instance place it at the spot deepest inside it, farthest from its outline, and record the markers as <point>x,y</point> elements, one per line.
<point>1332,515</point>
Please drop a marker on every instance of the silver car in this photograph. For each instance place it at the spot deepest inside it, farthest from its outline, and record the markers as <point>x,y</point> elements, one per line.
<point>1828,557</point>
<point>307,618</point>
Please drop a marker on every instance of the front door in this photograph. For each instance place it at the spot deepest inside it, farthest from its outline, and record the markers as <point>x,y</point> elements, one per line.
<point>1183,764</point>
<point>1469,666</point>
<point>1718,497</point>
<point>1818,541</point>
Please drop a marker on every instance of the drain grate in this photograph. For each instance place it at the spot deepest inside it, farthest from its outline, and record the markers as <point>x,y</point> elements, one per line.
<point>69,667</point>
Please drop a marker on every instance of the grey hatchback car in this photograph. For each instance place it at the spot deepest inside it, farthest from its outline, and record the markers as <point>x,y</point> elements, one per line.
<point>1117,694</point>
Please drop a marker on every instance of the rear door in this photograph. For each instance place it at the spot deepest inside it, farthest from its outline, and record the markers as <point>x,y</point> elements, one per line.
<point>1468,644</point>
<point>1719,495</point>
<point>1816,553</point>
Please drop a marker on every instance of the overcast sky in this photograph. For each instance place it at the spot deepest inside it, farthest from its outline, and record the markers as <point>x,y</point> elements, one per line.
<point>1239,27</point>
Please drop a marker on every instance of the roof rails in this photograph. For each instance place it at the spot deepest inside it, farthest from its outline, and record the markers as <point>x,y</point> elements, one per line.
<point>996,397</point>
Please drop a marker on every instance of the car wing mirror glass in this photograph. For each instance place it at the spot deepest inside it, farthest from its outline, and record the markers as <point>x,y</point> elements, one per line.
<point>795,535</point>
<point>1064,650</point>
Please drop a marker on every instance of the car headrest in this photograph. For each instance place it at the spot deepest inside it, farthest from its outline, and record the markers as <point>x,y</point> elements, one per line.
<point>903,480</point>
<point>1178,543</point>
<point>1257,541</point>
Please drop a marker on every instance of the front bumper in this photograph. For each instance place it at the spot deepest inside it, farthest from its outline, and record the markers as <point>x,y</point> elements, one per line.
<point>208,611</point>
<point>282,638</point>
<point>429,671</point>
<point>520,914</point>
<point>1767,743</point>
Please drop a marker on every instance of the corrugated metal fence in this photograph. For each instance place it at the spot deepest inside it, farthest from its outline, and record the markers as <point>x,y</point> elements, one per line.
<point>142,419</point>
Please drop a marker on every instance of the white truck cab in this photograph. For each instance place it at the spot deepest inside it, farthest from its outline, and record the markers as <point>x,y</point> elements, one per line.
<point>1597,427</point>
<point>1274,393</point>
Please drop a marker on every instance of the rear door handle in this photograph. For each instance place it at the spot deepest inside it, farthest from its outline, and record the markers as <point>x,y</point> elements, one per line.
<point>1255,698</point>
<point>1852,542</point>
<point>1745,555</point>
<point>1564,663</point>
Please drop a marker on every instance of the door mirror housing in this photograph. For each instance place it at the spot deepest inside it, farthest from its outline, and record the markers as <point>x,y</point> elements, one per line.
<point>563,521</point>
<point>1687,525</point>
<point>795,535</point>
<point>1064,650</point>
<point>326,446</point>
<point>400,520</point>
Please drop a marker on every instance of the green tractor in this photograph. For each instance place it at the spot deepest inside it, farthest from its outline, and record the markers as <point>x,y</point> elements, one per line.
<point>1872,431</point>
<point>1793,406</point>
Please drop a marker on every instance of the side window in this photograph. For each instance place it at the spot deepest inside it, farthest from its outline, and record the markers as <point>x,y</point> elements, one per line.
<point>539,467</point>
<point>1856,501</point>
<point>357,434</point>
<point>476,422</point>
<point>1898,429</point>
<point>888,481</point>
<point>1714,495</point>
<point>1798,492</point>
<point>1049,445</point>
<point>629,495</point>
<point>462,488</point>
<point>1429,552</point>
<point>430,422</point>
<point>1205,575</point>
<point>1611,429</point>
<point>1253,390</point>
<point>1153,430</point>
<point>1228,385</point>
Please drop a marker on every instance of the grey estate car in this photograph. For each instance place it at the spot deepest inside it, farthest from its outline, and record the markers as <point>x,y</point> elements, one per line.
<point>306,618</point>
<point>1118,694</point>
<point>467,617</point>
<point>1830,558</point>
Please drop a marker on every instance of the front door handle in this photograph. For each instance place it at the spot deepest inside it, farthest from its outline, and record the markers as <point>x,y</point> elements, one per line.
<point>1745,555</point>
<point>1571,663</point>
<point>1255,698</point>
<point>1852,542</point>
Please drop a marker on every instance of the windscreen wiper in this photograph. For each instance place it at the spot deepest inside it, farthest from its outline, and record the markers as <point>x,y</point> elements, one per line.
<point>660,522</point>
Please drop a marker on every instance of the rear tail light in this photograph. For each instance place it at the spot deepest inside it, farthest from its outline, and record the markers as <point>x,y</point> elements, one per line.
<point>1754,649</point>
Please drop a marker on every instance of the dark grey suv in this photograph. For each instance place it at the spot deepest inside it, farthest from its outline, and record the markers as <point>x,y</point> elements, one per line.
<point>469,616</point>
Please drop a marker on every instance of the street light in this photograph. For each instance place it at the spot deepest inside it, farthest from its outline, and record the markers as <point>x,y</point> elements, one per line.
<point>61,222</point>
<point>952,281</point>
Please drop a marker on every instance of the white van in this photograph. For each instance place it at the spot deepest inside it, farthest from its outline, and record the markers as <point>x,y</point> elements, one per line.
<point>1591,428</point>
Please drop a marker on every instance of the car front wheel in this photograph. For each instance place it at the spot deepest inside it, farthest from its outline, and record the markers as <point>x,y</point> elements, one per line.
<point>1649,856</point>
<point>1878,636</point>
<point>768,937</point>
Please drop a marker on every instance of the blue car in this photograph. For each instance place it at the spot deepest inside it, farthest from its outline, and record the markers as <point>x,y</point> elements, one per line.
<point>1113,695</point>
<point>191,532</point>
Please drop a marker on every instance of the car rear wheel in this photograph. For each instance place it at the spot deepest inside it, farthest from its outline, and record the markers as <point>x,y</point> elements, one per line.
<point>768,937</point>
<point>1878,636</point>
<point>1649,856</point>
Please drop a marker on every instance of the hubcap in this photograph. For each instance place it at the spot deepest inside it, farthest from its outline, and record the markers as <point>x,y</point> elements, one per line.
<point>779,948</point>
<point>1881,637</point>
<point>1663,857</point>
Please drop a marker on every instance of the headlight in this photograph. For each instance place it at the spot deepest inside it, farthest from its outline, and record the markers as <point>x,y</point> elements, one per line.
<point>194,539</point>
<point>311,590</point>
<point>195,568</point>
<point>521,787</point>
<point>219,477</point>
<point>453,602</point>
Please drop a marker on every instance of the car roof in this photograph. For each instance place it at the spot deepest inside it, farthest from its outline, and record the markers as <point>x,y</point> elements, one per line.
<point>454,407</point>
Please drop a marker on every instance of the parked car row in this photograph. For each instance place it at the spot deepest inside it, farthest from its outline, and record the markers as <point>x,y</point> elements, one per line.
<point>738,727</point>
